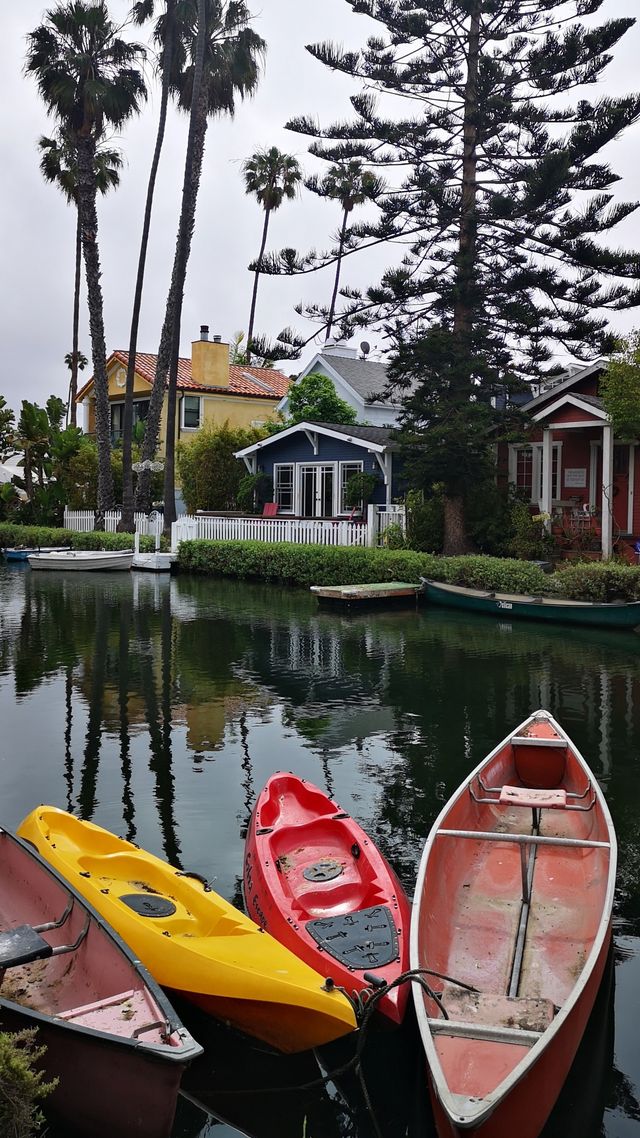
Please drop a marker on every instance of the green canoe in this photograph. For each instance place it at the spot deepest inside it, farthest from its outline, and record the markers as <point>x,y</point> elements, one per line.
<point>617,614</point>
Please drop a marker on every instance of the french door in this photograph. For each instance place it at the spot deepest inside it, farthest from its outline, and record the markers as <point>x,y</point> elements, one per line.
<point>316,490</point>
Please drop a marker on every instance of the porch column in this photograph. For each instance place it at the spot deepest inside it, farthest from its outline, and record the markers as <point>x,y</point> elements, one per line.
<point>547,470</point>
<point>607,491</point>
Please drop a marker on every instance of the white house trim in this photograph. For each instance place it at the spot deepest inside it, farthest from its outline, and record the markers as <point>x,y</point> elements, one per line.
<point>313,439</point>
<point>316,429</point>
<point>598,413</point>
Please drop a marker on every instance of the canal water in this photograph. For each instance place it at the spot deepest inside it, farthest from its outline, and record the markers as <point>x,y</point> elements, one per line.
<point>158,708</point>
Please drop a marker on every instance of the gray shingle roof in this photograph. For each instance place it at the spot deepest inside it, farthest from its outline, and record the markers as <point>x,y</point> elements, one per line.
<point>367,377</point>
<point>383,436</point>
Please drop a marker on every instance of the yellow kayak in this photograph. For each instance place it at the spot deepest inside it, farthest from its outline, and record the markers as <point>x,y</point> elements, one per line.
<point>192,941</point>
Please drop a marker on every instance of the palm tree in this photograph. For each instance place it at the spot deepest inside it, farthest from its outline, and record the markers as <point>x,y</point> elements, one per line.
<point>272,176</point>
<point>216,60</point>
<point>351,185</point>
<point>143,11</point>
<point>58,165</point>
<point>88,78</point>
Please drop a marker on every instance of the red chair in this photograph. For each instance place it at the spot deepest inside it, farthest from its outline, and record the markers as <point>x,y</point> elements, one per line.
<point>270,510</point>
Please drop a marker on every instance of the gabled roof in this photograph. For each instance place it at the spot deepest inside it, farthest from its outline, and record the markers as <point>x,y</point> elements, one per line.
<point>368,378</point>
<point>256,382</point>
<point>565,384</point>
<point>371,438</point>
<point>591,405</point>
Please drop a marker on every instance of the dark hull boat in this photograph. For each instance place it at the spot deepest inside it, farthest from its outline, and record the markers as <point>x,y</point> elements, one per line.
<point>615,614</point>
<point>316,882</point>
<point>113,1041</point>
<point>512,927</point>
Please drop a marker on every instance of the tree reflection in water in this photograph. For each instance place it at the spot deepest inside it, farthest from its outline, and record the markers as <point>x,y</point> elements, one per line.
<point>391,710</point>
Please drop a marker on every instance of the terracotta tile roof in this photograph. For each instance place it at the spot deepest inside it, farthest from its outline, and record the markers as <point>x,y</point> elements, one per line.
<point>256,382</point>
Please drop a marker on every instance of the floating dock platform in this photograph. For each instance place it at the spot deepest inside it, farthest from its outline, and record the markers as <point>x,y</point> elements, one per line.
<point>378,592</point>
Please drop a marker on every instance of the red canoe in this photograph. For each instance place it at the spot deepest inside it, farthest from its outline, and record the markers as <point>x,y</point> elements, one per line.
<point>513,910</point>
<point>112,1039</point>
<point>318,884</point>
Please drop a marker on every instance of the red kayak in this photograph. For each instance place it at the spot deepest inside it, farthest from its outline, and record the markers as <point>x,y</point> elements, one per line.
<point>512,927</point>
<point>318,884</point>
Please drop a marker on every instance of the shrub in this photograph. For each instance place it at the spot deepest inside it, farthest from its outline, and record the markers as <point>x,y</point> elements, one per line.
<point>253,491</point>
<point>530,540</point>
<point>425,521</point>
<point>598,581</point>
<point>33,537</point>
<point>22,1086</point>
<point>208,472</point>
<point>500,574</point>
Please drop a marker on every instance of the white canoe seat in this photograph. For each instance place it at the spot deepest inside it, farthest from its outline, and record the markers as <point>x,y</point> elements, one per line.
<point>534,798</point>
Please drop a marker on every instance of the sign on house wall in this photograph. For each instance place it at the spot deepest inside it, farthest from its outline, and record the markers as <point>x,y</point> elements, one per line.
<point>576,476</point>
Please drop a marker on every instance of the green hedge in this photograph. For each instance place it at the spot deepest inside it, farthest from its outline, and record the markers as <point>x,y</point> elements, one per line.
<point>322,565</point>
<point>598,581</point>
<point>35,536</point>
<point>303,564</point>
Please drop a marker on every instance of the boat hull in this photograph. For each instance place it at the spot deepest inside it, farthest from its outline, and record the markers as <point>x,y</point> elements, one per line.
<point>525,1111</point>
<point>507,606</point>
<point>192,940</point>
<point>314,880</point>
<point>83,560</point>
<point>102,1091</point>
<point>522,860</point>
<point>113,1041</point>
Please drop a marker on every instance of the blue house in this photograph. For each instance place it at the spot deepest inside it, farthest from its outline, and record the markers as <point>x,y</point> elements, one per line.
<point>311,463</point>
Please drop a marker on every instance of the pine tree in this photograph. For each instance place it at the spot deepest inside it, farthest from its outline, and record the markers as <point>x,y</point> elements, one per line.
<point>500,199</point>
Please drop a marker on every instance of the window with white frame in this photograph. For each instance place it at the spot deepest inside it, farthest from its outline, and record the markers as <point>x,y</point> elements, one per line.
<point>347,471</point>
<point>191,412</point>
<point>283,486</point>
<point>525,470</point>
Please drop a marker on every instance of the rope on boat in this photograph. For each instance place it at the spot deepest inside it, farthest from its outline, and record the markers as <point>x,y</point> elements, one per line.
<point>364,1004</point>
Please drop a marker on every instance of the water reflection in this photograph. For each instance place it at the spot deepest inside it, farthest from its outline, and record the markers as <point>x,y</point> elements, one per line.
<point>158,708</point>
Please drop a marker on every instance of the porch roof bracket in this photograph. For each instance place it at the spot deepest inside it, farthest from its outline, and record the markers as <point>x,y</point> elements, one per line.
<point>250,462</point>
<point>384,462</point>
<point>313,439</point>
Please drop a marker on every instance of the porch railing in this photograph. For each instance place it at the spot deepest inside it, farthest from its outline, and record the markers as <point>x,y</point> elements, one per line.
<point>295,530</point>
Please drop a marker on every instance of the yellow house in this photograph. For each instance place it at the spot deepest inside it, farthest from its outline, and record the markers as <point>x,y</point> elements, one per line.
<point>211,391</point>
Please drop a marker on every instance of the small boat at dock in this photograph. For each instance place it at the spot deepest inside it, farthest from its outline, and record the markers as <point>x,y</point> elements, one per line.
<point>194,942</point>
<point>22,554</point>
<point>111,1037</point>
<point>83,560</point>
<point>316,882</point>
<point>511,929</point>
<point>615,614</point>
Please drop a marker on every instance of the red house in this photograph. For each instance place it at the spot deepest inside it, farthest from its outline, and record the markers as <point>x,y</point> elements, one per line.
<point>574,469</point>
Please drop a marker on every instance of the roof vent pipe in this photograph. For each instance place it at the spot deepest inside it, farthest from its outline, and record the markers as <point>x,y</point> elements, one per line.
<point>217,339</point>
<point>204,331</point>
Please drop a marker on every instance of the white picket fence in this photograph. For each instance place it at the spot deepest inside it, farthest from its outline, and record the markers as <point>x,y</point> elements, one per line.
<point>83,521</point>
<point>221,527</point>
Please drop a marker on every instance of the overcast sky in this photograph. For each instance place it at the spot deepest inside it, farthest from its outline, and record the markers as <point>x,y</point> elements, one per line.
<point>38,228</point>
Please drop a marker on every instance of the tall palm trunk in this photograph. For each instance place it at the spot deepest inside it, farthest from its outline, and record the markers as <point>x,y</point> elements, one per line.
<point>332,306</point>
<point>455,536</point>
<point>87,193</point>
<point>73,384</point>
<point>127,521</point>
<point>170,339</point>
<point>256,278</point>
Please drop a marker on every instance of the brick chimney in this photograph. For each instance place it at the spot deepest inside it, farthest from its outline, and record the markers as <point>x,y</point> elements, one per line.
<point>210,360</point>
